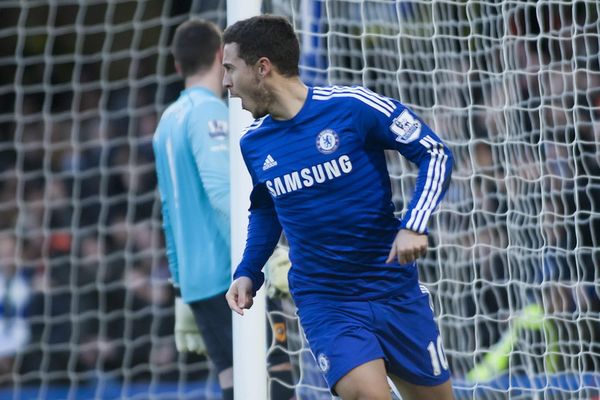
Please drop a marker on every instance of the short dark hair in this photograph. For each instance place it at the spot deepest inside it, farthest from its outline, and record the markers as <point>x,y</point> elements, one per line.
<point>266,36</point>
<point>195,45</point>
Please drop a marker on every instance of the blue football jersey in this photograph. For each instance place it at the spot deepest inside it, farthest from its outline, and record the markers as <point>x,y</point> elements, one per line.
<point>322,177</point>
<point>191,145</point>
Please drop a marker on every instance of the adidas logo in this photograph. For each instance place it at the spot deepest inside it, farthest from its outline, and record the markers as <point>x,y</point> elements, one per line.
<point>269,163</point>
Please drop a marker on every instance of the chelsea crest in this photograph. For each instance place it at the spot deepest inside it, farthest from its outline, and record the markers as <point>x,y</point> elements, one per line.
<point>323,362</point>
<point>327,141</point>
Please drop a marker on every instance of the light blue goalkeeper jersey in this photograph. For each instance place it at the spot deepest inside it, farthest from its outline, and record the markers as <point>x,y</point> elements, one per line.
<point>192,162</point>
<point>322,177</point>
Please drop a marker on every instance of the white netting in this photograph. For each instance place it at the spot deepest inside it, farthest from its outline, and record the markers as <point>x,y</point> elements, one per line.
<point>86,310</point>
<point>512,87</point>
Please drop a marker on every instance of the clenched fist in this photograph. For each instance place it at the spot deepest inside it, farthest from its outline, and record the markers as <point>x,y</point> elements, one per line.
<point>407,247</point>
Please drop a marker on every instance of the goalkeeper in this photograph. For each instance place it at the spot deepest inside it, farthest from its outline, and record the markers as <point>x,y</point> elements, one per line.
<point>192,164</point>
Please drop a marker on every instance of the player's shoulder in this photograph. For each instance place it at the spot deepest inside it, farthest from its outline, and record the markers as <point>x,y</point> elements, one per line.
<point>204,112</point>
<point>254,129</point>
<point>173,113</point>
<point>354,97</point>
<point>199,103</point>
<point>250,141</point>
<point>174,109</point>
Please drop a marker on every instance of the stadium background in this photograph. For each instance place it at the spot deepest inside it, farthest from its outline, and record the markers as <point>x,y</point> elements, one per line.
<point>512,86</point>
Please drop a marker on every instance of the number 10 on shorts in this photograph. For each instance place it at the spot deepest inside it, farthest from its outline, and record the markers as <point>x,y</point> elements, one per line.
<point>438,358</point>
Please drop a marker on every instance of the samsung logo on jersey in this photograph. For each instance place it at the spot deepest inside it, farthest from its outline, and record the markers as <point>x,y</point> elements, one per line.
<point>310,176</point>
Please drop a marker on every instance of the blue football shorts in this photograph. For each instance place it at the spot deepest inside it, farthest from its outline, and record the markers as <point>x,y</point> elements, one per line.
<point>345,334</point>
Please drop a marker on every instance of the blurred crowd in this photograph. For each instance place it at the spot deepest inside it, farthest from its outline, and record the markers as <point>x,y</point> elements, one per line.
<point>526,193</point>
<point>83,282</point>
<point>84,292</point>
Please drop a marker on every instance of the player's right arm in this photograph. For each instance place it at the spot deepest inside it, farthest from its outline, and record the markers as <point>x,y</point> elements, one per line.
<point>264,231</point>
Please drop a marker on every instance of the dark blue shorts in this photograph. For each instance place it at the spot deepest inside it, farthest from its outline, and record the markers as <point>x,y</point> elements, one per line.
<point>345,334</point>
<point>213,317</point>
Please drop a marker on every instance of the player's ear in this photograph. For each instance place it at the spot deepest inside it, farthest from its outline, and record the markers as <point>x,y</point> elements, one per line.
<point>263,66</point>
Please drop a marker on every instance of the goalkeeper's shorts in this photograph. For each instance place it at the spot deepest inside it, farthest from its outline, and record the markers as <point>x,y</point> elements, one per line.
<point>213,317</point>
<point>345,334</point>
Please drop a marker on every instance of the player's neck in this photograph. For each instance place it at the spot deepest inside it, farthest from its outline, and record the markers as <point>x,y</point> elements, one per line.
<point>210,80</point>
<point>289,95</point>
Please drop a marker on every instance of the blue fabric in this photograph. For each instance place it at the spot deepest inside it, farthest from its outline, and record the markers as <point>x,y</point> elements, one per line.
<point>344,335</point>
<point>322,177</point>
<point>192,162</point>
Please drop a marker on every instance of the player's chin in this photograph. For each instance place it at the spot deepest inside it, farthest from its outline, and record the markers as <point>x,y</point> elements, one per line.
<point>258,114</point>
<point>253,108</point>
<point>257,111</point>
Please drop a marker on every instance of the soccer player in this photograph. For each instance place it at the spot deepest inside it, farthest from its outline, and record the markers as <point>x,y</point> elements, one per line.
<point>316,158</point>
<point>192,164</point>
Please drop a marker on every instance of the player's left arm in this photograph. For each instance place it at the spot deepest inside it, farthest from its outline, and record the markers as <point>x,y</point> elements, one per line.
<point>404,131</point>
<point>434,160</point>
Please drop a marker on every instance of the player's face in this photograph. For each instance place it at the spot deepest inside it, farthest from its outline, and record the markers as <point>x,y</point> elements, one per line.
<point>244,81</point>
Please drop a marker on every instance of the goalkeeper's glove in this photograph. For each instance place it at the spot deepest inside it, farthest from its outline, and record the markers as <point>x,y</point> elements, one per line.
<point>187,335</point>
<point>495,363</point>
<point>277,269</point>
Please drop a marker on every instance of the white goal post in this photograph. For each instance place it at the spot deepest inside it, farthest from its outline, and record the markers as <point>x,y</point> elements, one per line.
<point>249,330</point>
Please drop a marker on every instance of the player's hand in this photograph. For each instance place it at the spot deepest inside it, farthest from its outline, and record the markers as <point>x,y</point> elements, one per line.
<point>187,335</point>
<point>278,267</point>
<point>239,295</point>
<point>407,247</point>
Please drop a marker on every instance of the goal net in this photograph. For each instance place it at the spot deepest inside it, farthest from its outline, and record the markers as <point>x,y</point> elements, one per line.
<point>511,86</point>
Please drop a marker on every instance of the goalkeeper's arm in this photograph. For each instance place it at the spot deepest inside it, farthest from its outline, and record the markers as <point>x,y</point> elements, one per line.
<point>187,334</point>
<point>188,337</point>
